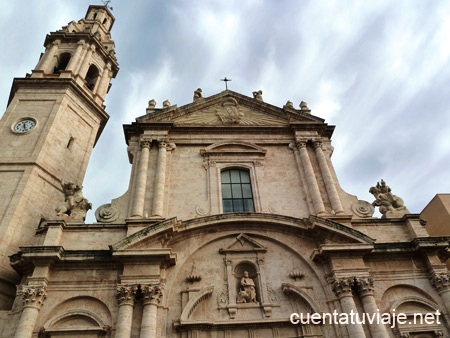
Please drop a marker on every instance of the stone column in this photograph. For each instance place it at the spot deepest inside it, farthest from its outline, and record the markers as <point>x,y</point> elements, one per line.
<point>313,187</point>
<point>294,148</point>
<point>76,69</point>
<point>328,180</point>
<point>126,298</point>
<point>33,298</point>
<point>85,64</point>
<point>160,179</point>
<point>343,289</point>
<point>152,298</point>
<point>75,57</point>
<point>102,87</point>
<point>48,58</point>
<point>141,180</point>
<point>365,289</point>
<point>441,282</point>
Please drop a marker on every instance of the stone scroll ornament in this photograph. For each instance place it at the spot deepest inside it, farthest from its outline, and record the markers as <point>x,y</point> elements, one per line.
<point>363,209</point>
<point>106,213</point>
<point>390,205</point>
<point>75,205</point>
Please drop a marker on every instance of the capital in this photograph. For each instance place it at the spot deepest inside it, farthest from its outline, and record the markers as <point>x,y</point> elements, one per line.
<point>364,285</point>
<point>317,144</point>
<point>152,294</point>
<point>126,294</point>
<point>171,146</point>
<point>56,43</point>
<point>301,143</point>
<point>342,287</point>
<point>34,296</point>
<point>441,281</point>
<point>162,144</point>
<point>145,144</point>
<point>293,146</point>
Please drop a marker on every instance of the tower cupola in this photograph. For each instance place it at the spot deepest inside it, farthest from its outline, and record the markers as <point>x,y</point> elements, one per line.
<point>83,51</point>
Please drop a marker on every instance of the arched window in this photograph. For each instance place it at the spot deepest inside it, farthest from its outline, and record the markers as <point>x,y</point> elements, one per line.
<point>63,61</point>
<point>237,193</point>
<point>91,77</point>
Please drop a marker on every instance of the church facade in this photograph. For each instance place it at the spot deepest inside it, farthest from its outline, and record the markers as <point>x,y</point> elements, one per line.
<point>234,223</point>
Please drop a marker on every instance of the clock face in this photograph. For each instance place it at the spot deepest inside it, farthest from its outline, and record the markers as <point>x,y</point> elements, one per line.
<point>24,125</point>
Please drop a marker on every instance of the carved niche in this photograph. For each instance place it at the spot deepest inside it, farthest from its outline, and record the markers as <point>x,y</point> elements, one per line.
<point>247,286</point>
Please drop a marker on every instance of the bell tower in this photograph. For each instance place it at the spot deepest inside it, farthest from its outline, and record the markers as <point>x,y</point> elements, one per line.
<point>53,119</point>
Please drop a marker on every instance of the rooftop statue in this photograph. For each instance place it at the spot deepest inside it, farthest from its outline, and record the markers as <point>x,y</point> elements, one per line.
<point>257,95</point>
<point>198,94</point>
<point>75,205</point>
<point>390,205</point>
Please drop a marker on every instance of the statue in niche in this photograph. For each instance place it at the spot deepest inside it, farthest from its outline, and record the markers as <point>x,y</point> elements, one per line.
<point>389,204</point>
<point>75,205</point>
<point>247,293</point>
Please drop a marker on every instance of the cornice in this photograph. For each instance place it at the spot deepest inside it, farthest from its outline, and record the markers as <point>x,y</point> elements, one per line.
<point>62,83</point>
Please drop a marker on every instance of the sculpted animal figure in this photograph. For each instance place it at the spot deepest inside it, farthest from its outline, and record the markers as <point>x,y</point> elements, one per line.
<point>75,205</point>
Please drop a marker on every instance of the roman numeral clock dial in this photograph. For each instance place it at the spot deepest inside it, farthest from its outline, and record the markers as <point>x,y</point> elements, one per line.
<point>24,126</point>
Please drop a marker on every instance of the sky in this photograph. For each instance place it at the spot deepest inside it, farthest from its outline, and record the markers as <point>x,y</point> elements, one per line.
<point>377,70</point>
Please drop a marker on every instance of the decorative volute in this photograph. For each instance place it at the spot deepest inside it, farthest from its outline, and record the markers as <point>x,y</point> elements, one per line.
<point>83,51</point>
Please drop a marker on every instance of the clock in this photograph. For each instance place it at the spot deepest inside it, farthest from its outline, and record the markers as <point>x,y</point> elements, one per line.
<point>24,125</point>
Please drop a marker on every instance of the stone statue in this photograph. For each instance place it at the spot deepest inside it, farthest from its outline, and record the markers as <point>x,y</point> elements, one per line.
<point>247,294</point>
<point>304,106</point>
<point>152,104</point>
<point>197,94</point>
<point>258,95</point>
<point>390,205</point>
<point>75,205</point>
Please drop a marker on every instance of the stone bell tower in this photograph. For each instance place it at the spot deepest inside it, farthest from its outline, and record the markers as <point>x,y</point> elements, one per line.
<point>54,117</point>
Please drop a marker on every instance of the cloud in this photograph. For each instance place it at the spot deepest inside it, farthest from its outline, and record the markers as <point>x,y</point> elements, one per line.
<point>377,70</point>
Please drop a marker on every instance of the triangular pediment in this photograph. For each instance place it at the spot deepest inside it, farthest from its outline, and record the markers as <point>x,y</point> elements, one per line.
<point>243,243</point>
<point>229,109</point>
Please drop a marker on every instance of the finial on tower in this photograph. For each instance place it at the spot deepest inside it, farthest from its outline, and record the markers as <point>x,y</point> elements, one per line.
<point>106,3</point>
